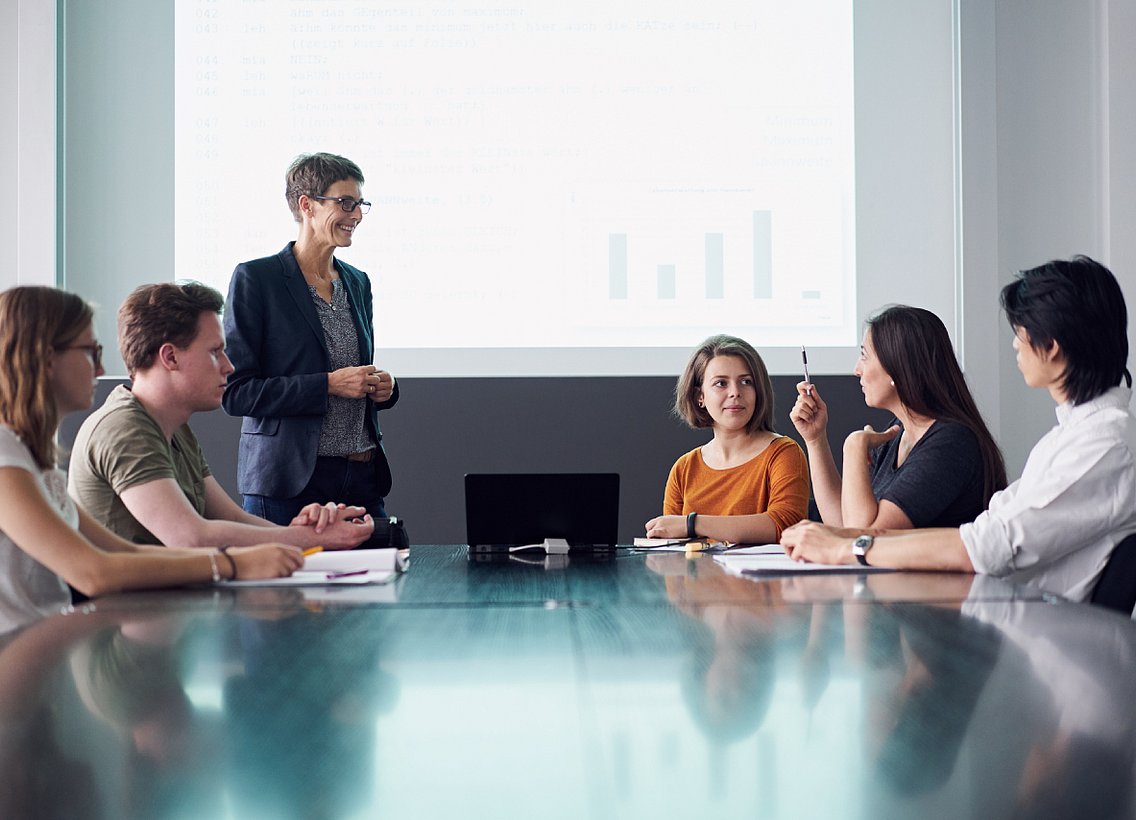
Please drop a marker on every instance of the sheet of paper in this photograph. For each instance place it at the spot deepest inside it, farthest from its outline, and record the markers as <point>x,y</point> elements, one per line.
<point>782,564</point>
<point>307,578</point>
<point>352,560</point>
<point>676,545</point>
<point>710,547</point>
<point>754,549</point>
<point>338,568</point>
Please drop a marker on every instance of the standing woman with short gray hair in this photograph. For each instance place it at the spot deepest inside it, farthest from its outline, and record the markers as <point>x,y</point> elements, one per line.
<point>299,330</point>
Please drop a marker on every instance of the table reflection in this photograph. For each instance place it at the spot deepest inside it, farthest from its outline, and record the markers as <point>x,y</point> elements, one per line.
<point>657,686</point>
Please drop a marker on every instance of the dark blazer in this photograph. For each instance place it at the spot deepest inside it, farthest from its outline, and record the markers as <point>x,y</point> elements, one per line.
<point>274,338</point>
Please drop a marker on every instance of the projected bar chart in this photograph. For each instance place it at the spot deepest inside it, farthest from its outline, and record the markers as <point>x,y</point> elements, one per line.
<point>762,255</point>
<point>617,265</point>
<point>714,265</point>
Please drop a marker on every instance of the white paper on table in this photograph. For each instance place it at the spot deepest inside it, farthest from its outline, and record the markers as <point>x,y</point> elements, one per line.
<point>339,567</point>
<point>782,564</point>
<point>677,545</point>
<point>307,578</point>
<point>754,549</point>
<point>353,560</point>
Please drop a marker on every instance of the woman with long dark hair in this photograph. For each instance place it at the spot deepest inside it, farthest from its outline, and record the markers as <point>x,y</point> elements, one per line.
<point>936,465</point>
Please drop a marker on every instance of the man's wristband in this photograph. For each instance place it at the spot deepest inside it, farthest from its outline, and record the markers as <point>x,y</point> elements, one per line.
<point>690,526</point>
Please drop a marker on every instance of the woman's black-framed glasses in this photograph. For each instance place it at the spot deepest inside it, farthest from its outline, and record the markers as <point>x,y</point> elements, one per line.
<point>346,203</point>
<point>95,351</point>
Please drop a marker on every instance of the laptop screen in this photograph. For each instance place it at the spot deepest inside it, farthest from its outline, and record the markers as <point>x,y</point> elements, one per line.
<point>514,509</point>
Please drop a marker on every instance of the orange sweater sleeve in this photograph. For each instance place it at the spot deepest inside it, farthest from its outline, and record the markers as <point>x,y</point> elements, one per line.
<point>673,495</point>
<point>788,485</point>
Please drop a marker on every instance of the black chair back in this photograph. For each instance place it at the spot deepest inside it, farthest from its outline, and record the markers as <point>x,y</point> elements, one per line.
<point>1116,588</point>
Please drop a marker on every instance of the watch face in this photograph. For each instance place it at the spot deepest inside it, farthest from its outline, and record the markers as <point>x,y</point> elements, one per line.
<point>861,544</point>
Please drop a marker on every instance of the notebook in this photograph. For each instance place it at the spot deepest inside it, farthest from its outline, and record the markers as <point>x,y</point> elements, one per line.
<point>508,510</point>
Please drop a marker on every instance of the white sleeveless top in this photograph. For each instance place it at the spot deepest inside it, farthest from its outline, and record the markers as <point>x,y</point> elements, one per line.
<point>28,589</point>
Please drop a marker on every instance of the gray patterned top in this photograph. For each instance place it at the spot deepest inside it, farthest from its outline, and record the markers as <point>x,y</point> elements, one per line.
<point>344,430</point>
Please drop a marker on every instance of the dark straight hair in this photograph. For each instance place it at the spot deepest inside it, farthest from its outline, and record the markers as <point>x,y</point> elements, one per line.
<point>914,348</point>
<point>1078,304</point>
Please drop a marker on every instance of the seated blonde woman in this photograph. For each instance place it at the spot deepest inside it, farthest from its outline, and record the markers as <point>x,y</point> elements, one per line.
<point>747,483</point>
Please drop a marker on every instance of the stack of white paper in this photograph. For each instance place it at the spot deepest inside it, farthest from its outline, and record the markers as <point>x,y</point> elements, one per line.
<point>335,568</point>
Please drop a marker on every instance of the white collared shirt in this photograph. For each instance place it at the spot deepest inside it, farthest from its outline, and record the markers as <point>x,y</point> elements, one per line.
<point>1056,526</point>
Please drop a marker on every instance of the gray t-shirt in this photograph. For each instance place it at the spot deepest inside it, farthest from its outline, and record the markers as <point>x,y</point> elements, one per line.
<point>28,589</point>
<point>120,446</point>
<point>940,482</point>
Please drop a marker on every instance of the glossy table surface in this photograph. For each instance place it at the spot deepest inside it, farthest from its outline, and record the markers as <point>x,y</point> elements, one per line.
<point>644,686</point>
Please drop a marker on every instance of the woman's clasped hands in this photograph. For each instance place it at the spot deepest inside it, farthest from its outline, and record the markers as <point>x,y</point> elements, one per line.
<point>365,381</point>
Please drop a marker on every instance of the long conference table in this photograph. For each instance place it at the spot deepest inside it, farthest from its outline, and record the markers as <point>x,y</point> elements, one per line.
<point>644,686</point>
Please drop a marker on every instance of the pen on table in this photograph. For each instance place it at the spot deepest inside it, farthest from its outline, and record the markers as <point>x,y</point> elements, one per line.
<point>808,379</point>
<point>312,551</point>
<point>347,573</point>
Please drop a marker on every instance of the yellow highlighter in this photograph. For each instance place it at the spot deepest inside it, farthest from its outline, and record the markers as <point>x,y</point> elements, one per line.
<point>312,551</point>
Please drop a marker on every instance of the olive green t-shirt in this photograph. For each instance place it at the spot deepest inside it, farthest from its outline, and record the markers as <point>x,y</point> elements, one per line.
<point>120,446</point>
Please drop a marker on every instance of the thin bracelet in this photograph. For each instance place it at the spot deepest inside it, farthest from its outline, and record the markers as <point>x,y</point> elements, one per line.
<point>233,564</point>
<point>690,526</point>
<point>213,567</point>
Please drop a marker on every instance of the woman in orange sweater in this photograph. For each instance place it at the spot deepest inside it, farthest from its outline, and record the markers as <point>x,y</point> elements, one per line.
<point>746,484</point>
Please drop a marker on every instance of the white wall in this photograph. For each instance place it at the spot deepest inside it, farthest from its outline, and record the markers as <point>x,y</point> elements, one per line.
<point>27,142</point>
<point>9,63</point>
<point>1064,170</point>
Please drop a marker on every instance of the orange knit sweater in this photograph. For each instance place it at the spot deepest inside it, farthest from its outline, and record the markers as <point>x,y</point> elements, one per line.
<point>775,482</point>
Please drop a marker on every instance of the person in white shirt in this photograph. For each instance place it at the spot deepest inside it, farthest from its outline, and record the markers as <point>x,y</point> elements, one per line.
<point>1057,525</point>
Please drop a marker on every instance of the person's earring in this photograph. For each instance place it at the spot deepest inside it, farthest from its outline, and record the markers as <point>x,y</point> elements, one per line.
<point>891,382</point>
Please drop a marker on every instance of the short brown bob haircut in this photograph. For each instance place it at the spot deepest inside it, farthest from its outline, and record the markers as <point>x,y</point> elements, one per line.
<point>690,383</point>
<point>155,314</point>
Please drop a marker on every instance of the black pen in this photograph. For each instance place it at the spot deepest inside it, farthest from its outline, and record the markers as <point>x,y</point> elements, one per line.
<point>808,380</point>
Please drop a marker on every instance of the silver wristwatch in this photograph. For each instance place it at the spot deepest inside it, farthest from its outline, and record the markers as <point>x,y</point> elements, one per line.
<point>860,548</point>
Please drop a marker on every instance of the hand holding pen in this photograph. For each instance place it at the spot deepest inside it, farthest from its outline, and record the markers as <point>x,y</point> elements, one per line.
<point>809,414</point>
<point>805,365</point>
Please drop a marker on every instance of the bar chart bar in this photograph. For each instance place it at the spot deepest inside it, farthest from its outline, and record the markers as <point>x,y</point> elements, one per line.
<point>666,281</point>
<point>715,269</point>
<point>762,255</point>
<point>617,265</point>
